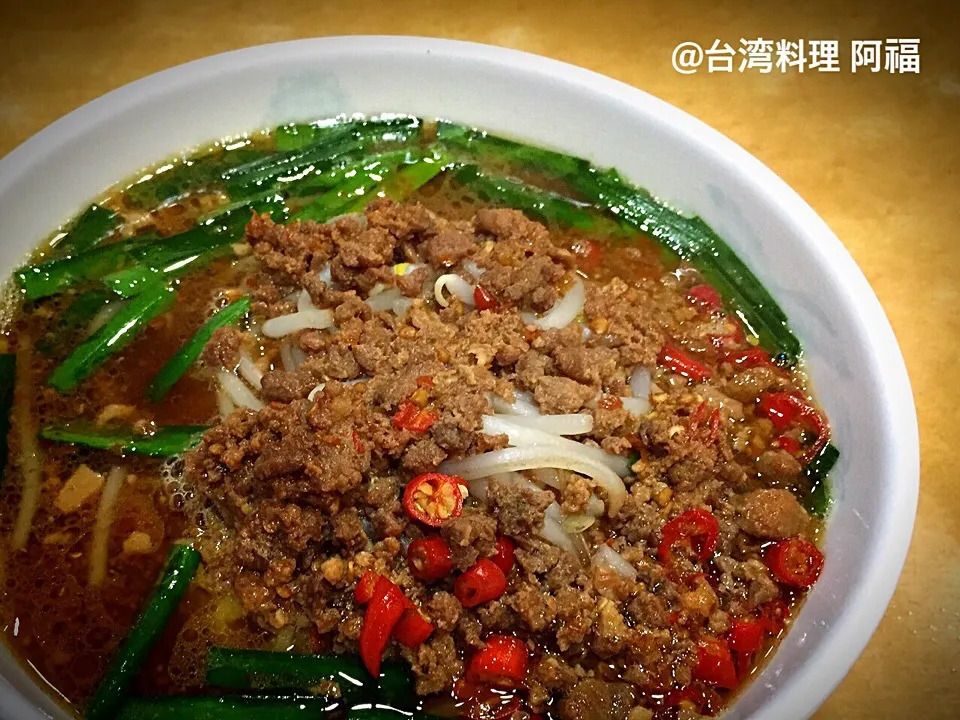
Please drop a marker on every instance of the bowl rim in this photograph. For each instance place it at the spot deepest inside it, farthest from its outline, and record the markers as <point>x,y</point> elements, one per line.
<point>809,686</point>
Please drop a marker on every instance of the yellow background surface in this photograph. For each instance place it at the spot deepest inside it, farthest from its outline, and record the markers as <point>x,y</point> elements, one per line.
<point>877,155</point>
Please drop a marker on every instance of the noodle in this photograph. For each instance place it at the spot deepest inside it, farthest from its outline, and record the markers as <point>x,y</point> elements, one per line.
<point>572,424</point>
<point>456,286</point>
<point>250,372</point>
<point>564,312</point>
<point>239,393</point>
<point>546,456</point>
<point>31,463</point>
<point>101,530</point>
<point>301,320</point>
<point>520,436</point>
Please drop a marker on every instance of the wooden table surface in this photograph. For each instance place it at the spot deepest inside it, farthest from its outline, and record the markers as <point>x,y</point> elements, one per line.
<point>877,155</point>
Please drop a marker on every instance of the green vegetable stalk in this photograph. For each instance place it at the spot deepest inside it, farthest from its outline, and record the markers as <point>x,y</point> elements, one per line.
<point>182,563</point>
<point>166,441</point>
<point>177,365</point>
<point>118,332</point>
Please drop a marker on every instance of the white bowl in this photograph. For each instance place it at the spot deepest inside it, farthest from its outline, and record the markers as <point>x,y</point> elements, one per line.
<point>850,349</point>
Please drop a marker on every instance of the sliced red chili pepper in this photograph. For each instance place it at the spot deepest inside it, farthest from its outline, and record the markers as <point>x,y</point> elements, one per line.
<point>425,381</point>
<point>363,592</point>
<point>481,583</point>
<point>676,360</point>
<point>502,663</point>
<point>696,416</point>
<point>784,409</point>
<point>795,561</point>
<point>412,629</point>
<point>750,358</point>
<point>411,416</point>
<point>504,557</point>
<point>384,611</point>
<point>483,299</point>
<point>697,529</point>
<point>430,558</point>
<point>714,424</point>
<point>432,498</point>
<point>706,297</point>
<point>788,443</point>
<point>746,635</point>
<point>774,616</point>
<point>715,663</point>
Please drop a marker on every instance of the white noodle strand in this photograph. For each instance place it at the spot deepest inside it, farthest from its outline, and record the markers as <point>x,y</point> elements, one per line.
<point>31,462</point>
<point>520,436</point>
<point>384,300</point>
<point>238,392</point>
<point>304,302</point>
<point>471,267</point>
<point>571,424</point>
<point>640,383</point>
<point>522,405</point>
<point>546,456</point>
<point>635,405</point>
<point>606,556</point>
<point>250,372</point>
<point>639,404</point>
<point>99,546</point>
<point>225,405</point>
<point>564,312</point>
<point>456,286</point>
<point>301,320</point>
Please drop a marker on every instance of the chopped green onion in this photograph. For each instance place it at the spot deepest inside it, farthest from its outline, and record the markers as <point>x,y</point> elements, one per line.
<point>295,136</point>
<point>227,707</point>
<point>95,225</point>
<point>817,501</point>
<point>176,366</point>
<point>356,188</point>
<point>468,143</point>
<point>539,204</point>
<point>411,176</point>
<point>115,335</point>
<point>222,228</point>
<point>73,320</point>
<point>133,280</point>
<point>260,669</point>
<point>689,237</point>
<point>332,144</point>
<point>182,563</point>
<point>164,442</point>
<point>199,174</point>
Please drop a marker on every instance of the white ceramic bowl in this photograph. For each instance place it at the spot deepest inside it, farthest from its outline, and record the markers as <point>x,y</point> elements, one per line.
<point>851,352</point>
